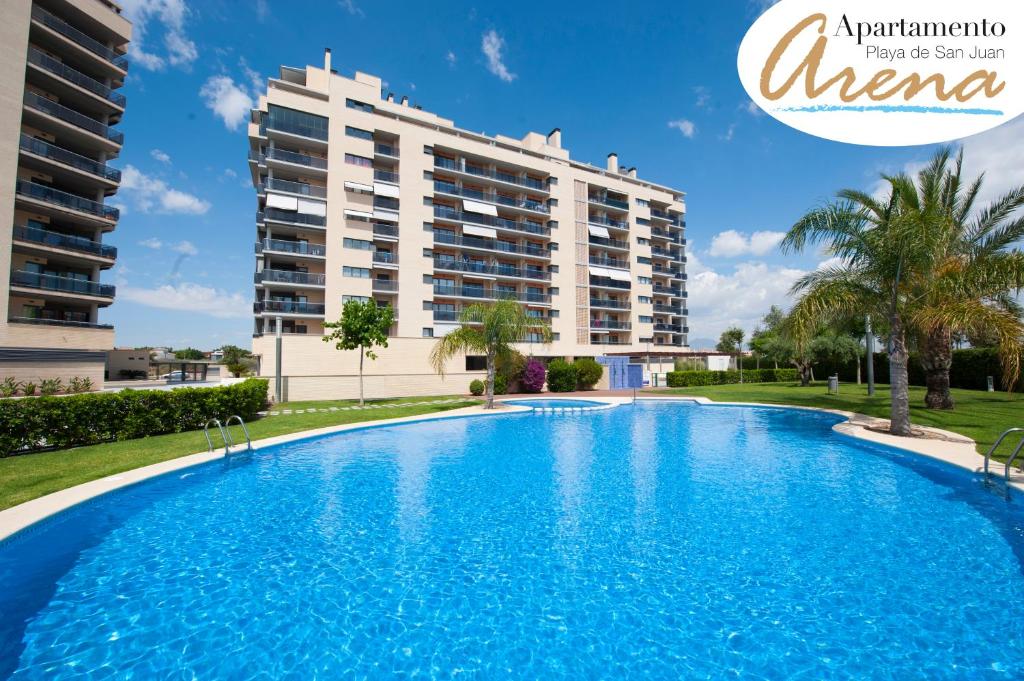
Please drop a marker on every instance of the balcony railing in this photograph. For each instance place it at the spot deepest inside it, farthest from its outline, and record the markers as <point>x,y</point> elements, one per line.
<point>58,322</point>
<point>608,341</point>
<point>448,213</point>
<point>65,241</point>
<point>385,257</point>
<point>663,253</point>
<point>78,37</point>
<point>66,200</point>
<point>62,70</point>
<point>55,153</point>
<point>598,220</point>
<point>286,156</point>
<point>278,215</point>
<point>610,324</point>
<point>385,285</point>
<point>295,187</point>
<point>609,262</point>
<point>296,247</point>
<point>608,282</point>
<point>489,245</point>
<point>289,277</point>
<point>454,190</point>
<point>294,129</point>
<point>669,309</point>
<point>667,290</point>
<point>508,178</point>
<point>606,200</point>
<point>453,316</point>
<point>384,229</point>
<point>385,176</point>
<point>51,108</point>
<point>385,149</point>
<point>610,303</point>
<point>661,233</point>
<point>453,265</point>
<point>55,282</point>
<point>485,293</point>
<point>668,328</point>
<point>288,307</point>
<point>610,243</point>
<point>386,203</point>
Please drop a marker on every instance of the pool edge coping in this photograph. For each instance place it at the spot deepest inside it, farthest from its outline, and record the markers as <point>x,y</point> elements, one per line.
<point>17,518</point>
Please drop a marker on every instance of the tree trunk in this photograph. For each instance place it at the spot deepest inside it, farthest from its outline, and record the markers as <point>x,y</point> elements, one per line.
<point>858,368</point>
<point>490,382</point>
<point>937,358</point>
<point>362,353</point>
<point>805,372</point>
<point>899,414</point>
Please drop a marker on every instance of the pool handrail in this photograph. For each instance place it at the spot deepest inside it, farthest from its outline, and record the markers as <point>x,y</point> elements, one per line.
<point>227,429</point>
<point>206,432</point>
<point>1013,456</point>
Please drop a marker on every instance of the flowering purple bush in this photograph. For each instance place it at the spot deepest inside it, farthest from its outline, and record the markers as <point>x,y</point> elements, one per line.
<point>533,376</point>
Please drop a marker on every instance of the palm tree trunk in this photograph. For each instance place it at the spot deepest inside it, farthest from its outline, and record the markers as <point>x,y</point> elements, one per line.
<point>490,382</point>
<point>899,414</point>
<point>937,358</point>
<point>362,352</point>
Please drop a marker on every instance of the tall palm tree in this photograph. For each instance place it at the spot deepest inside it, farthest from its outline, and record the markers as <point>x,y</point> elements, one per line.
<point>492,330</point>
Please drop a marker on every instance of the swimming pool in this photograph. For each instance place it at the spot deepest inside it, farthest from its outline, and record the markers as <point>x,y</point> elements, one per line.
<point>662,540</point>
<point>556,403</point>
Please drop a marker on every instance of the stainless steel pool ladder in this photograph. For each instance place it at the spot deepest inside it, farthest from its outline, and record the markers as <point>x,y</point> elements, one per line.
<point>225,433</point>
<point>1013,456</point>
<point>206,432</point>
<point>227,429</point>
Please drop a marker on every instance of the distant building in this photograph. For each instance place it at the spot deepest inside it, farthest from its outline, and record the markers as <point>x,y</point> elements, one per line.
<point>127,363</point>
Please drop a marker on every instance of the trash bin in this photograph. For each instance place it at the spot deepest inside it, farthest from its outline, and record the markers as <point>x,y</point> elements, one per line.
<point>833,385</point>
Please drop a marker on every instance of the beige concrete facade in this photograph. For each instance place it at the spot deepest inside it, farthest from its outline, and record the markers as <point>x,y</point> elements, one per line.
<point>367,197</point>
<point>61,65</point>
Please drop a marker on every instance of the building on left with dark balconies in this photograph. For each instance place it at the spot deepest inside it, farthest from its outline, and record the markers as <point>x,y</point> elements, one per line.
<point>62,63</point>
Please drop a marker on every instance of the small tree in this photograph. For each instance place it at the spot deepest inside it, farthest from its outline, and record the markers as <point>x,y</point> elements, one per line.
<point>562,376</point>
<point>731,340</point>
<point>363,326</point>
<point>534,376</point>
<point>188,353</point>
<point>588,372</point>
<point>234,359</point>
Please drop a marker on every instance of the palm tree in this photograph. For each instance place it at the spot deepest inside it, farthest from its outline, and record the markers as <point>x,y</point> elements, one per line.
<point>492,330</point>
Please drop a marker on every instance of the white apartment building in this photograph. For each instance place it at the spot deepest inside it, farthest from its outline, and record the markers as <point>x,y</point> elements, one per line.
<point>61,65</point>
<point>361,196</point>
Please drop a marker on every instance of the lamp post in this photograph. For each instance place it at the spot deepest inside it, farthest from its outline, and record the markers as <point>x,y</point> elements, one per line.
<point>277,362</point>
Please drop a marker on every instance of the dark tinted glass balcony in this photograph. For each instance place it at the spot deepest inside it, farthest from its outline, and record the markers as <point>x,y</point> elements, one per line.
<point>667,290</point>
<point>65,241</point>
<point>606,200</point>
<point>66,200</point>
<point>610,303</point>
<point>53,282</point>
<point>385,149</point>
<point>455,215</point>
<point>668,328</point>
<point>295,128</point>
<point>385,285</point>
<point>611,243</point>
<point>288,307</point>
<point>610,324</point>
<point>532,183</point>
<point>62,70</point>
<point>58,322</point>
<point>296,247</point>
<point>289,277</point>
<point>489,244</point>
<point>296,188</point>
<point>609,262</point>
<point>385,257</point>
<point>486,293</point>
<point>51,108</point>
<point>598,220</point>
<point>68,31</point>
<point>299,159</point>
<point>382,229</point>
<point>55,153</point>
<point>452,189</point>
<point>278,215</point>
<point>609,282</point>
<point>385,176</point>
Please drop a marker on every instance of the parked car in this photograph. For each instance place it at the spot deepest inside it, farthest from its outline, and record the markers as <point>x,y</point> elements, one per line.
<point>174,376</point>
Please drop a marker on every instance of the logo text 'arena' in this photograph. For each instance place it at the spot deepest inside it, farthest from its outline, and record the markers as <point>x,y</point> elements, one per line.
<point>887,81</point>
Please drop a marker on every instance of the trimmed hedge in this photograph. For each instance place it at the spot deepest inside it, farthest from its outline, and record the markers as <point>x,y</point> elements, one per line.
<point>687,379</point>
<point>588,372</point>
<point>971,367</point>
<point>77,420</point>
<point>562,376</point>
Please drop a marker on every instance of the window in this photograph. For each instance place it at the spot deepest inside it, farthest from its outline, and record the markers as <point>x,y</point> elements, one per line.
<point>297,122</point>
<point>643,260</point>
<point>644,300</point>
<point>359,160</point>
<point>359,106</point>
<point>428,332</point>
<point>646,319</point>
<point>476,363</point>
<point>642,241</point>
<point>358,299</point>
<point>359,244</point>
<point>355,272</point>
<point>358,132</point>
<point>643,202</point>
<point>644,280</point>
<point>534,337</point>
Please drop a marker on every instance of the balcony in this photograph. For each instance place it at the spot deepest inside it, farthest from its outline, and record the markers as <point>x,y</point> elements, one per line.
<point>609,262</point>
<point>384,231</point>
<point>79,38</point>
<point>610,324</point>
<point>292,128</point>
<point>615,224</point>
<point>658,233</point>
<point>385,258</point>
<point>454,215</point>
<point>288,307</point>
<point>290,187</point>
<point>73,76</point>
<point>500,270</point>
<point>507,178</point>
<point>608,341</point>
<point>294,158</point>
<point>608,282</point>
<point>54,282</point>
<point>66,200</point>
<point>609,243</point>
<point>605,200</point>
<point>663,253</point>
<point>666,271</point>
<point>496,245</point>
<point>51,108</point>
<point>453,316</point>
<point>486,293</point>
<point>38,147</point>
<point>385,285</point>
<point>290,217</point>
<point>667,291</point>
<point>442,187</point>
<point>385,176</point>
<point>289,277</point>
<point>675,310</point>
<point>292,247</point>
<point>385,150</point>
<point>610,303</point>
<point>63,241</point>
<point>668,328</point>
<point>72,323</point>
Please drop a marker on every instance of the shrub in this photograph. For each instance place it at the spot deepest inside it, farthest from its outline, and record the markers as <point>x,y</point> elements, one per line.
<point>76,420</point>
<point>562,376</point>
<point>534,376</point>
<point>8,387</point>
<point>687,379</point>
<point>588,372</point>
<point>476,387</point>
<point>50,386</point>
<point>500,385</point>
<point>237,370</point>
<point>80,385</point>
<point>511,368</point>
<point>28,388</point>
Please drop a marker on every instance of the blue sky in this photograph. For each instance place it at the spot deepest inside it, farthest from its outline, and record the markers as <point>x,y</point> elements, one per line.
<point>657,85</point>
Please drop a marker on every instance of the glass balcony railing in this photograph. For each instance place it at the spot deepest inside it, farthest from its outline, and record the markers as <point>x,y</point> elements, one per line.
<point>610,243</point>
<point>385,176</point>
<point>385,285</point>
<point>489,245</point>
<point>51,108</point>
<point>598,220</point>
<point>608,282</point>
<point>291,217</point>
<point>501,270</point>
<point>385,149</point>
<point>610,324</point>
<point>296,247</point>
<point>668,309</point>
<point>288,307</point>
<point>454,190</point>
<point>382,229</point>
<point>64,241</point>
<point>508,178</point>
<point>667,291</point>
<point>448,213</point>
<point>47,321</point>
<point>386,203</point>
<point>286,156</point>
<point>64,284</point>
<point>55,153</point>
<point>289,277</point>
<point>385,257</point>
<point>606,200</point>
<point>296,187</point>
<point>78,37</point>
<point>62,70</point>
<point>609,262</point>
<point>66,200</point>
<point>293,128</point>
<point>486,293</point>
<point>668,328</point>
<point>610,303</point>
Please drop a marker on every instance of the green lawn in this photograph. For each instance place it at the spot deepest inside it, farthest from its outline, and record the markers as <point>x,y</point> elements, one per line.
<point>33,475</point>
<point>981,416</point>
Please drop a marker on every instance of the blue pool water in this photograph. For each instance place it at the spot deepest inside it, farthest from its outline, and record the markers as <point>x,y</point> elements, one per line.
<point>563,404</point>
<point>655,541</point>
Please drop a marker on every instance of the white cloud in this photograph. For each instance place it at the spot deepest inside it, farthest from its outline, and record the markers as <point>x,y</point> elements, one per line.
<point>703,96</point>
<point>161,156</point>
<point>761,6</point>
<point>169,16</point>
<point>152,242</point>
<point>684,126</point>
<point>351,7</point>
<point>731,244</point>
<point>729,134</point>
<point>999,154</point>
<point>450,58</point>
<point>228,100</point>
<point>185,248</point>
<point>230,173</point>
<point>492,46</point>
<point>153,195</point>
<point>751,108</point>
<point>189,297</point>
<point>262,10</point>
